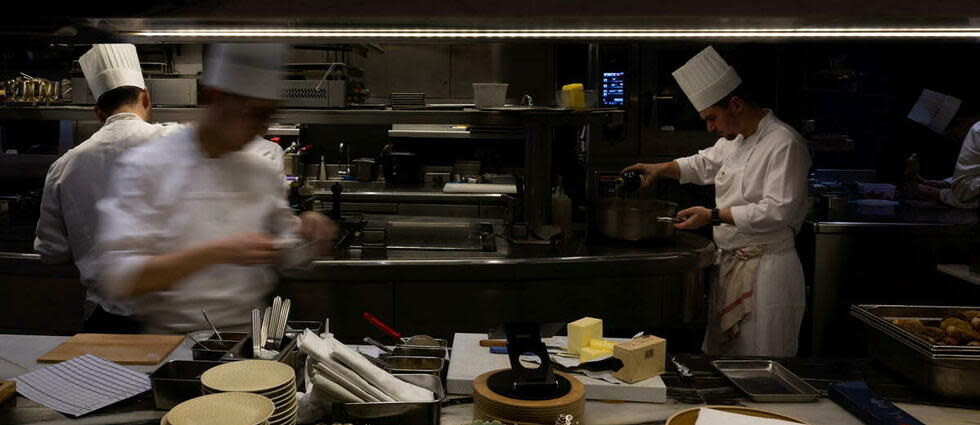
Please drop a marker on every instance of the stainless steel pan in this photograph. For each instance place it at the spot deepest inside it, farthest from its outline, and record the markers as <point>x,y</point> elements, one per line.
<point>635,219</point>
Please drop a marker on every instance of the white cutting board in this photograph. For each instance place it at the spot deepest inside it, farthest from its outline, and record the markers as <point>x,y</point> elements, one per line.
<point>469,360</point>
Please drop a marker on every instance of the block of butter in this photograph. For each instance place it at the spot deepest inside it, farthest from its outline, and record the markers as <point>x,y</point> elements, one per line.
<point>602,344</point>
<point>642,357</point>
<point>588,354</point>
<point>581,333</point>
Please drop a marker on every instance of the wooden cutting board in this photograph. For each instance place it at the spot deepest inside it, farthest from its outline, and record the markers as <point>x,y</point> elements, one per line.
<point>122,349</point>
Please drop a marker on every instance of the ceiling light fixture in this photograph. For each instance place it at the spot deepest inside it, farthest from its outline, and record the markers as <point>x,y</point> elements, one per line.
<point>831,33</point>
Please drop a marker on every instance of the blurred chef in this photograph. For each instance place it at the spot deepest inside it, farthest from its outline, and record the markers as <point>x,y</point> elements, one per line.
<point>961,190</point>
<point>759,167</point>
<point>66,230</point>
<point>193,222</point>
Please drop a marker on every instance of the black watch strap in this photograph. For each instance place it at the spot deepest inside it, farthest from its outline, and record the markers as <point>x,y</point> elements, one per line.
<point>715,217</point>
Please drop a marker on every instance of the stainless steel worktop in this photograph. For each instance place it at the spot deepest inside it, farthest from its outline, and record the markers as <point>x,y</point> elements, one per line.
<point>906,218</point>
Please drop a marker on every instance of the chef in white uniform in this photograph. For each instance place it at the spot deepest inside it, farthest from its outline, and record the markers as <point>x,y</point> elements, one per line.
<point>961,190</point>
<point>66,230</point>
<point>192,221</point>
<point>759,168</point>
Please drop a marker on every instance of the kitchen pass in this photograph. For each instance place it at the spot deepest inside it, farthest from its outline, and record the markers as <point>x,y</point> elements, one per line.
<point>81,385</point>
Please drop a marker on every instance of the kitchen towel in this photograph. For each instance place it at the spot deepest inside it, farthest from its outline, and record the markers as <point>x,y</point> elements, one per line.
<point>81,385</point>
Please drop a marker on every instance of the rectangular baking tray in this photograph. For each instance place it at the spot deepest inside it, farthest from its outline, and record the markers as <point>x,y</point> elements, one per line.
<point>766,381</point>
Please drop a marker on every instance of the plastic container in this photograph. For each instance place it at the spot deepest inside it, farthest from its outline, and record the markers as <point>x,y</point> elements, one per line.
<point>489,95</point>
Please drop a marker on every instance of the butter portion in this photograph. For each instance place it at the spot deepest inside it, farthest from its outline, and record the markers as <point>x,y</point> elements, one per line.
<point>581,333</point>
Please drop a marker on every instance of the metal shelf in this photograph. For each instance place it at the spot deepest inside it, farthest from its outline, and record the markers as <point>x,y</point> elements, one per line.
<point>339,116</point>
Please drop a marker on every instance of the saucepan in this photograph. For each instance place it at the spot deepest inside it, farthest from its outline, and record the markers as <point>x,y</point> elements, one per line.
<point>636,219</point>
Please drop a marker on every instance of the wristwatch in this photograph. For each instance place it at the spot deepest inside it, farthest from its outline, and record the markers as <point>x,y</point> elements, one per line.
<point>715,217</point>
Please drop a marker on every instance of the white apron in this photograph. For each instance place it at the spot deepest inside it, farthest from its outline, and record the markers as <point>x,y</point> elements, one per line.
<point>219,204</point>
<point>778,297</point>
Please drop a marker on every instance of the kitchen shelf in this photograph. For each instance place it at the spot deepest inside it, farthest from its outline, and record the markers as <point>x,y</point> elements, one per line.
<point>339,116</point>
<point>961,271</point>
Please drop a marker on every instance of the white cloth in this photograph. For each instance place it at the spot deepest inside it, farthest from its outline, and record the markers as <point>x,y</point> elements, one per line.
<point>246,69</point>
<point>108,66</point>
<point>965,183</point>
<point>330,349</point>
<point>708,416</point>
<point>762,179</point>
<point>706,78</point>
<point>168,195</point>
<point>66,229</point>
<point>934,110</point>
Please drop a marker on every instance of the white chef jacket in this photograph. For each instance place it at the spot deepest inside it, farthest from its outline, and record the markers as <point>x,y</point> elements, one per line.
<point>169,195</point>
<point>965,183</point>
<point>776,164</point>
<point>66,229</point>
<point>763,178</point>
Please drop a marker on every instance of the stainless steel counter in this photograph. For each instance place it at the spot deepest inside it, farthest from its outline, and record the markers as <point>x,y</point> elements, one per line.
<point>905,218</point>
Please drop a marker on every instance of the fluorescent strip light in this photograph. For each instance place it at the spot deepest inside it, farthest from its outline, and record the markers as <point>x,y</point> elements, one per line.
<point>570,33</point>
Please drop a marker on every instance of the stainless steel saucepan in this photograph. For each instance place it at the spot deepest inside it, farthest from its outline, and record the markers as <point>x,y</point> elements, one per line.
<point>636,219</point>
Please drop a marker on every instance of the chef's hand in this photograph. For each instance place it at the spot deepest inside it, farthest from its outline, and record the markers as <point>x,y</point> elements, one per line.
<point>652,172</point>
<point>694,218</point>
<point>319,229</point>
<point>649,172</point>
<point>246,249</point>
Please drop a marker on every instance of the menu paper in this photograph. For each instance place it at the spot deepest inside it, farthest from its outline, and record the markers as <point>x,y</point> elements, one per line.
<point>81,385</point>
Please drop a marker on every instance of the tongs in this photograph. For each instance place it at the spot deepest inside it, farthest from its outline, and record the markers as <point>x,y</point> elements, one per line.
<point>670,220</point>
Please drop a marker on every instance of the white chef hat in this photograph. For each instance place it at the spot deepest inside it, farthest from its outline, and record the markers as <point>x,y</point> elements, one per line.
<point>934,110</point>
<point>706,78</point>
<point>252,70</point>
<point>108,66</point>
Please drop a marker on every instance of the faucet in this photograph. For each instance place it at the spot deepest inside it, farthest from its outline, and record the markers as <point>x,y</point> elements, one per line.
<point>530,101</point>
<point>342,171</point>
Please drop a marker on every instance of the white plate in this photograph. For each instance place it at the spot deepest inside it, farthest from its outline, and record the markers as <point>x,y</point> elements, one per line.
<point>253,376</point>
<point>222,409</point>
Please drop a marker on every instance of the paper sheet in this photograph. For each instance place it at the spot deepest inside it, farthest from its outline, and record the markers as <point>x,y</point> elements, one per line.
<point>81,385</point>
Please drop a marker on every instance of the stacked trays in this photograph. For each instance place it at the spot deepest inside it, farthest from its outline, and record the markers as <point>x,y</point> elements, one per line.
<point>221,409</point>
<point>273,380</point>
<point>490,406</point>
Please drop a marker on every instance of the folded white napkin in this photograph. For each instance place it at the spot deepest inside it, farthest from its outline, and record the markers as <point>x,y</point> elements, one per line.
<point>708,416</point>
<point>332,391</point>
<point>327,349</point>
<point>348,379</point>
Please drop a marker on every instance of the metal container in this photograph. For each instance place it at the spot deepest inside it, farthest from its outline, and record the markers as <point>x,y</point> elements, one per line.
<point>212,349</point>
<point>365,169</point>
<point>177,381</point>
<point>414,364</point>
<point>950,371</point>
<point>395,412</point>
<point>766,381</point>
<point>635,219</point>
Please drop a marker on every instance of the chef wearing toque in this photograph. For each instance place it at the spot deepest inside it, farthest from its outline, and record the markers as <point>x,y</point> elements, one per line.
<point>192,221</point>
<point>66,229</point>
<point>759,167</point>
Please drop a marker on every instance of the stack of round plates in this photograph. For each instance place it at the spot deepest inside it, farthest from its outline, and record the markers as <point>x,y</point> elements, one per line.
<point>273,380</point>
<point>221,409</point>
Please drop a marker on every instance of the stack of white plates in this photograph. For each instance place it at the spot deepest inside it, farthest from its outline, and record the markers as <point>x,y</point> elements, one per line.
<point>221,409</point>
<point>274,380</point>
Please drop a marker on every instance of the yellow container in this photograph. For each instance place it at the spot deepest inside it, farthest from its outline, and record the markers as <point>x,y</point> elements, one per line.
<point>573,96</point>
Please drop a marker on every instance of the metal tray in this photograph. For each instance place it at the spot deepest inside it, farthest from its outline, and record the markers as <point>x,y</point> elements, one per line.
<point>766,381</point>
<point>395,413</point>
<point>949,371</point>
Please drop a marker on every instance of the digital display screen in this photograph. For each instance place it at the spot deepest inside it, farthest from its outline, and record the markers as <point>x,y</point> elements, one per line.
<point>612,89</point>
